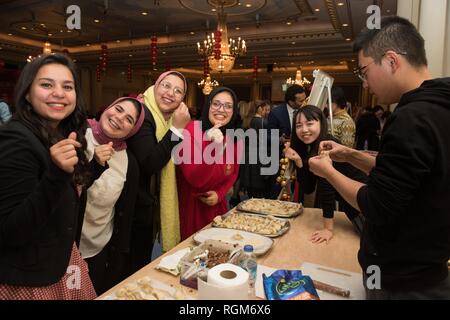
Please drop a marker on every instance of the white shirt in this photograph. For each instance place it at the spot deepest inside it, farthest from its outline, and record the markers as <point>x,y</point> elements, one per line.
<point>102,196</point>
<point>291,114</point>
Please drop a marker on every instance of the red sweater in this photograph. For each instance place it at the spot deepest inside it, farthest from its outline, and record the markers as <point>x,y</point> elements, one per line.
<point>194,179</point>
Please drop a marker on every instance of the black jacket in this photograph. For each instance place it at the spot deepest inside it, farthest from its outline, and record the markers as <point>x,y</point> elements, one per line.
<point>406,201</point>
<point>326,195</point>
<point>39,210</point>
<point>151,157</point>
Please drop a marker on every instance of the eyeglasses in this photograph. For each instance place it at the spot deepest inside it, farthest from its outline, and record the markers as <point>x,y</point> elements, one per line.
<point>167,86</point>
<point>216,105</point>
<point>359,72</point>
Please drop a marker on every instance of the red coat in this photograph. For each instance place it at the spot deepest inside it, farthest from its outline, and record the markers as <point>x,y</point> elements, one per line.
<point>194,179</point>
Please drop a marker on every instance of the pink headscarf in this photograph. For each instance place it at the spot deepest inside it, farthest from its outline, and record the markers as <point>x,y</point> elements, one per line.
<point>118,143</point>
<point>165,74</point>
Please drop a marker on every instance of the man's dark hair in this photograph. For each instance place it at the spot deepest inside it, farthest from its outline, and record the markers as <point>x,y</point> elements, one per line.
<point>338,97</point>
<point>397,34</point>
<point>292,91</point>
<point>378,108</point>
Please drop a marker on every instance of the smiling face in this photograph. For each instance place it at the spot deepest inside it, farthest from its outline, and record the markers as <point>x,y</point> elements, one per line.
<point>307,130</point>
<point>118,121</point>
<point>52,93</point>
<point>169,93</point>
<point>221,109</point>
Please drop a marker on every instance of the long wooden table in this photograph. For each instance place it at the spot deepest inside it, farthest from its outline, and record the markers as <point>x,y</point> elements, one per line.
<point>288,252</point>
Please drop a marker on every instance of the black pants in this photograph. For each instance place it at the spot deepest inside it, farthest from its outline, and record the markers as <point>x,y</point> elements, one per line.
<point>108,268</point>
<point>142,239</point>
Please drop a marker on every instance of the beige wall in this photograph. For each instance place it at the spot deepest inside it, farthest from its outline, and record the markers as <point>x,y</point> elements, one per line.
<point>432,19</point>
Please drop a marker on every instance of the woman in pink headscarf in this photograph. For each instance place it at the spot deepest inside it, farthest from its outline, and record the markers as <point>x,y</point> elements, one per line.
<point>157,204</point>
<point>109,204</point>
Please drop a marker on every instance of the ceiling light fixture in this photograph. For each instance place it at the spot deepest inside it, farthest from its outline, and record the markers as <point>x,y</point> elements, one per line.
<point>220,51</point>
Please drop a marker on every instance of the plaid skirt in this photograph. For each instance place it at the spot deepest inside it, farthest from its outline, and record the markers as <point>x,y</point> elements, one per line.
<point>74,285</point>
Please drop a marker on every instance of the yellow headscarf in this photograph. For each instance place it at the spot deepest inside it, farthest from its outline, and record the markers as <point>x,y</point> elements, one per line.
<point>168,198</point>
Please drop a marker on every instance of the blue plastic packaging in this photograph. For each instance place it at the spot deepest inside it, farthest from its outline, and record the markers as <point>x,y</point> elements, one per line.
<point>289,285</point>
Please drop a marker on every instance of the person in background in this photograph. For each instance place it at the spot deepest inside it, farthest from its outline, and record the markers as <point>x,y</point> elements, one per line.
<point>156,210</point>
<point>202,187</point>
<point>5,113</point>
<point>343,124</point>
<point>378,111</point>
<point>109,207</point>
<point>310,128</point>
<point>243,123</point>
<point>281,118</point>
<point>257,185</point>
<point>367,128</point>
<point>43,168</point>
<point>405,201</point>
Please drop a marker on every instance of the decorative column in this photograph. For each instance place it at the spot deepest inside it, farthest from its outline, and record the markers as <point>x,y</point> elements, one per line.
<point>432,19</point>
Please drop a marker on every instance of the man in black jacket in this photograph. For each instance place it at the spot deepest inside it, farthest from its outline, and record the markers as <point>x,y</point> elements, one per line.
<point>406,240</point>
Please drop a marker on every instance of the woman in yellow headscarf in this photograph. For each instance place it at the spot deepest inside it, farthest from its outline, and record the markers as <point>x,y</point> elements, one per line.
<point>157,204</point>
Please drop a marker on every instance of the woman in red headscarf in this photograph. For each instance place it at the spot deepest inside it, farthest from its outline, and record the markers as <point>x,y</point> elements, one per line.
<point>109,207</point>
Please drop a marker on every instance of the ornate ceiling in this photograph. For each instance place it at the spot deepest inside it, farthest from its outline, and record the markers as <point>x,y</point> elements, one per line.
<point>282,33</point>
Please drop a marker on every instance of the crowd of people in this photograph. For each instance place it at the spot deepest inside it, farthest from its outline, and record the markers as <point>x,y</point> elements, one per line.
<point>95,195</point>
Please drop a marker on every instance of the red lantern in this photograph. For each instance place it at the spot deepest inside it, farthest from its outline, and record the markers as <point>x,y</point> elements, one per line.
<point>104,57</point>
<point>255,67</point>
<point>205,67</point>
<point>217,44</point>
<point>2,64</point>
<point>98,73</point>
<point>154,50</point>
<point>129,73</point>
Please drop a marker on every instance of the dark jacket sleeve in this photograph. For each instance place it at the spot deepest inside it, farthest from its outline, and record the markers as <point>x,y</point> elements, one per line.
<point>30,188</point>
<point>407,155</point>
<point>326,195</point>
<point>150,154</point>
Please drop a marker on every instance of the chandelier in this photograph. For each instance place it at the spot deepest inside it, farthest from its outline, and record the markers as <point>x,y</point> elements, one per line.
<point>47,48</point>
<point>207,85</point>
<point>220,51</point>
<point>298,79</point>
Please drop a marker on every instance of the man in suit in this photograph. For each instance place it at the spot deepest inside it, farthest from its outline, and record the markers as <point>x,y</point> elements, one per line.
<point>281,118</point>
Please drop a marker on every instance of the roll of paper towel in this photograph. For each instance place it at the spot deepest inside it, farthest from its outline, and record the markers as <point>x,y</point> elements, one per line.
<point>225,282</point>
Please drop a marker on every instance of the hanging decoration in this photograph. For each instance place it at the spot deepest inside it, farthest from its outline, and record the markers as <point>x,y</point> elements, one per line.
<point>104,57</point>
<point>129,73</point>
<point>255,67</point>
<point>217,44</point>
<point>285,179</point>
<point>98,73</point>
<point>154,50</point>
<point>205,67</point>
<point>2,64</point>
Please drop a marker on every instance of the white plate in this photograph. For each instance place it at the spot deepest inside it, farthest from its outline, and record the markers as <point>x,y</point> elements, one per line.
<point>156,284</point>
<point>261,244</point>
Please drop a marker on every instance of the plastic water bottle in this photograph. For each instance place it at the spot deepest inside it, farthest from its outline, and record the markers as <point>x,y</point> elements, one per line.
<point>248,262</point>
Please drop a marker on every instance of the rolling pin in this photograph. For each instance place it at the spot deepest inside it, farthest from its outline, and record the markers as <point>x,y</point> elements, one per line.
<point>331,289</point>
